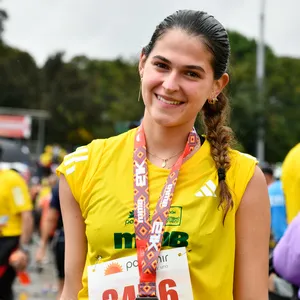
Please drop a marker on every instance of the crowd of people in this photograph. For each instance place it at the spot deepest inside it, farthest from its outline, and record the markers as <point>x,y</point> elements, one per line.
<point>30,208</point>
<point>227,208</point>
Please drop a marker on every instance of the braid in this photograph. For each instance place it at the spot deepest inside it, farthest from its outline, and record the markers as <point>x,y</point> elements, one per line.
<point>220,137</point>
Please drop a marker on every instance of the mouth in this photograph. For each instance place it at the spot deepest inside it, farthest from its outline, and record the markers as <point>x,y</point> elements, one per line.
<point>168,100</point>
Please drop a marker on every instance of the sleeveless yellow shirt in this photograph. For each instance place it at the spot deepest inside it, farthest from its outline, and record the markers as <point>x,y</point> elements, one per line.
<point>100,176</point>
<point>14,199</point>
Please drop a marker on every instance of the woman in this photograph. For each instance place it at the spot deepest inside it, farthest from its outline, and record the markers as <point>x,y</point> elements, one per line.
<point>220,204</point>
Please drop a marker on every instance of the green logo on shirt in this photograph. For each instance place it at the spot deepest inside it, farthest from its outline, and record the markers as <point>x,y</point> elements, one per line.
<point>126,240</point>
<point>175,215</point>
<point>174,219</point>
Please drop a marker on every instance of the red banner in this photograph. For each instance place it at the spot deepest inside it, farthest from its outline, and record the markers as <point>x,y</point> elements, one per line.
<point>15,126</point>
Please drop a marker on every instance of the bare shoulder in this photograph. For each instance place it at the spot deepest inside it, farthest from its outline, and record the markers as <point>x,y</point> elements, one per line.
<point>256,193</point>
<point>254,209</point>
<point>64,188</point>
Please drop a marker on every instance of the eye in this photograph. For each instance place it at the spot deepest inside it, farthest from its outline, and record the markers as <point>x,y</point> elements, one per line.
<point>161,65</point>
<point>192,74</point>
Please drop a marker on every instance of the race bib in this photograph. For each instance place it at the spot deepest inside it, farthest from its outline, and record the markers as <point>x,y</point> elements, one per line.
<point>118,279</point>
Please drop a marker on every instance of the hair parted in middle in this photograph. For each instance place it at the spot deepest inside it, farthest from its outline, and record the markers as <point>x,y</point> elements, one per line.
<point>214,115</point>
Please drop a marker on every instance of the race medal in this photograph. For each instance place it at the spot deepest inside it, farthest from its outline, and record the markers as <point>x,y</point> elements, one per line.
<point>149,234</point>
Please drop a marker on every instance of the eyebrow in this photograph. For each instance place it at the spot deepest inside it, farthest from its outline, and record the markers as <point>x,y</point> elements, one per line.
<point>193,67</point>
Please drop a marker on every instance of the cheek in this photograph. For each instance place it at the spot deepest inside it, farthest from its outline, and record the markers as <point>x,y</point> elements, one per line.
<point>195,92</point>
<point>151,78</point>
<point>197,96</point>
<point>202,91</point>
<point>146,90</point>
<point>149,83</point>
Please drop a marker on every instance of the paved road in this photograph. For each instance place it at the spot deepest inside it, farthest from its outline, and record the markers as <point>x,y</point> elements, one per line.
<point>43,285</point>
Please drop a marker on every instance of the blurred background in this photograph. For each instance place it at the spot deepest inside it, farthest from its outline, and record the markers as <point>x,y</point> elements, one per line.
<point>68,74</point>
<point>71,69</point>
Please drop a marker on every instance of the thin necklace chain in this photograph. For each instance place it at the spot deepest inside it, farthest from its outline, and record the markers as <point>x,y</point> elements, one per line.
<point>165,160</point>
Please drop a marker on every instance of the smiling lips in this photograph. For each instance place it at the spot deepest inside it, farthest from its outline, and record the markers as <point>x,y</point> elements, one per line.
<point>168,101</point>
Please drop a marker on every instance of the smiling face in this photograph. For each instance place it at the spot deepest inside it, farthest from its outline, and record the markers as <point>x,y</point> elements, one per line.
<point>177,79</point>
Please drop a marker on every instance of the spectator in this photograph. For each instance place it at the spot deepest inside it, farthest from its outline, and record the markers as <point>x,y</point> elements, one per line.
<point>277,202</point>
<point>16,225</point>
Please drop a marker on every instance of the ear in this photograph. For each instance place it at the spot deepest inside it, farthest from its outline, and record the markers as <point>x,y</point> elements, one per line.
<point>142,63</point>
<point>220,84</point>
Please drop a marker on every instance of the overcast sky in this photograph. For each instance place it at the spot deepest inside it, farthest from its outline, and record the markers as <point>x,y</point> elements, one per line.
<point>110,28</point>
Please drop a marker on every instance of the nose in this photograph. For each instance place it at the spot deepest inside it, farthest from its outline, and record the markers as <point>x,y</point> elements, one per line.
<point>171,83</point>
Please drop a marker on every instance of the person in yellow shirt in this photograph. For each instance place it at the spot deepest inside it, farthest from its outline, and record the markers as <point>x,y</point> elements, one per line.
<point>16,225</point>
<point>164,187</point>
<point>290,178</point>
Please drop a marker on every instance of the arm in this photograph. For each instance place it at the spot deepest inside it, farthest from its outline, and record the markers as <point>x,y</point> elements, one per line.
<point>21,205</point>
<point>49,223</point>
<point>252,241</point>
<point>75,251</point>
<point>48,227</point>
<point>27,227</point>
<point>21,255</point>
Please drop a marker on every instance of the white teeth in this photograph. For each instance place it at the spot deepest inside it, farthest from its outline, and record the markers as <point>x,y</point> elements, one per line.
<point>167,101</point>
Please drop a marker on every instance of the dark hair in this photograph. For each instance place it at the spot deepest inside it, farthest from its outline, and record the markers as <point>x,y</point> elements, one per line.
<point>266,169</point>
<point>215,116</point>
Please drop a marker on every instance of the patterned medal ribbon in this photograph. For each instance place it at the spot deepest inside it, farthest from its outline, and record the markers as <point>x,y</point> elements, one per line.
<point>149,235</point>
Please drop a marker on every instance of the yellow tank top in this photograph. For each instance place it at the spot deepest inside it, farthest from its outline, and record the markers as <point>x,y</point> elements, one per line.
<point>100,176</point>
<point>14,199</point>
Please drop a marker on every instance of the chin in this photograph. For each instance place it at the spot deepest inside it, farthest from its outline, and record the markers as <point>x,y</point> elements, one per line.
<point>167,121</point>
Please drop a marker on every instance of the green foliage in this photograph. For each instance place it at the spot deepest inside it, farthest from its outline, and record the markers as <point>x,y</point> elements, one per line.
<point>279,104</point>
<point>19,84</point>
<point>3,18</point>
<point>90,98</point>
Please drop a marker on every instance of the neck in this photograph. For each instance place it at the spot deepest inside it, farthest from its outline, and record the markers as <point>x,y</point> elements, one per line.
<point>165,141</point>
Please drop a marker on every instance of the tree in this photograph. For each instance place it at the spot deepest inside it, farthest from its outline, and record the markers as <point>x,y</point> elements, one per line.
<point>3,18</point>
<point>282,108</point>
<point>19,84</point>
<point>65,94</point>
<point>90,98</point>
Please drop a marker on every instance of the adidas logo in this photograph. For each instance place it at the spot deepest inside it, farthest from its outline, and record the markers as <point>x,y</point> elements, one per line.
<point>207,190</point>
